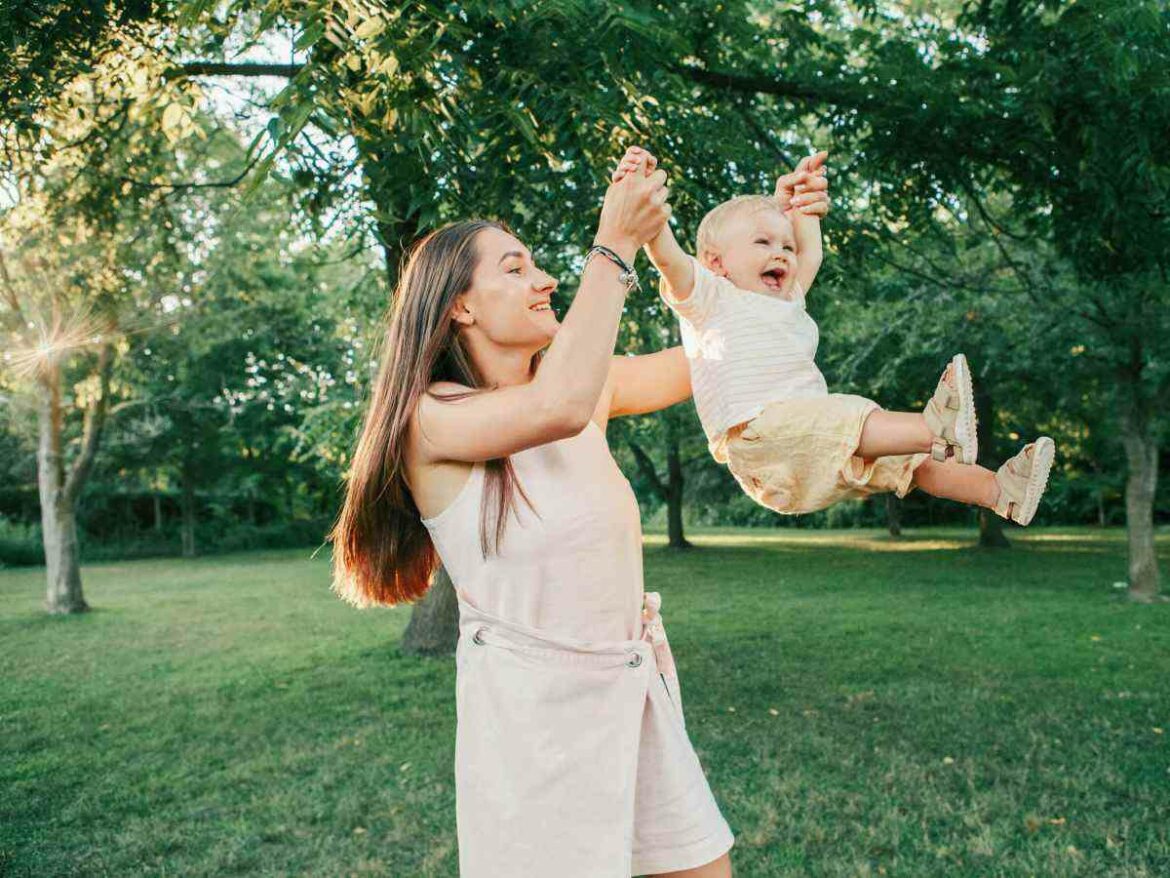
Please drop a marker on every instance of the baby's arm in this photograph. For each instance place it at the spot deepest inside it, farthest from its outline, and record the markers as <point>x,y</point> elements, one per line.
<point>664,250</point>
<point>803,196</point>
<point>672,261</point>
<point>809,252</point>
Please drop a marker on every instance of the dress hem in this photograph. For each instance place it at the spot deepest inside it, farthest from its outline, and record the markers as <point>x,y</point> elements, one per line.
<point>690,856</point>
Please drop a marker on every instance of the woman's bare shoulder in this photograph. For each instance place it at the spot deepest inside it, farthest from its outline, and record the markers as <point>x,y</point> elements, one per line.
<point>433,483</point>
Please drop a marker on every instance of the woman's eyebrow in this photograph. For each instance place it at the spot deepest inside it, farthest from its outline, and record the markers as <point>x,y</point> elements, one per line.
<point>510,253</point>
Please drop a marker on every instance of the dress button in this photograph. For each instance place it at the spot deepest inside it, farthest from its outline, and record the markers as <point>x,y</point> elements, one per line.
<point>476,636</point>
<point>635,660</point>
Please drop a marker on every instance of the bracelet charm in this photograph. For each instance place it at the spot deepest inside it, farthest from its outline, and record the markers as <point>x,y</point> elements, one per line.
<point>628,276</point>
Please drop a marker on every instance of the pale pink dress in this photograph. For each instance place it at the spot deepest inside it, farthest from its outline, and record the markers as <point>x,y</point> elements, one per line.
<point>571,755</point>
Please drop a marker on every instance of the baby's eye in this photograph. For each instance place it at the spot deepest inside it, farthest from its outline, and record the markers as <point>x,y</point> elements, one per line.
<point>761,240</point>
<point>789,247</point>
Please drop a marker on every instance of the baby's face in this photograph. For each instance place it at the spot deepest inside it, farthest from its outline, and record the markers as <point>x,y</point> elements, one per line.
<point>757,251</point>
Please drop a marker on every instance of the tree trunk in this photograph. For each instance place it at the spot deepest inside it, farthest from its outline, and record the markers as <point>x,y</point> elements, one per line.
<point>58,520</point>
<point>1141,453</point>
<point>670,491</point>
<point>1100,492</point>
<point>894,515</point>
<point>991,534</point>
<point>188,528</point>
<point>674,497</point>
<point>431,630</point>
<point>157,512</point>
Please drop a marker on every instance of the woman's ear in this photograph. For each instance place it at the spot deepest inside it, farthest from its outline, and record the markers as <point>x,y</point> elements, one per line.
<point>460,314</point>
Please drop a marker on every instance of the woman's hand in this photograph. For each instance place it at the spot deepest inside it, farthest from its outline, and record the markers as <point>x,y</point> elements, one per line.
<point>630,160</point>
<point>635,207</point>
<point>805,190</point>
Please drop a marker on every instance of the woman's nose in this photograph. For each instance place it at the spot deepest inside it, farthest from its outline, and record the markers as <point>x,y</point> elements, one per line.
<point>550,283</point>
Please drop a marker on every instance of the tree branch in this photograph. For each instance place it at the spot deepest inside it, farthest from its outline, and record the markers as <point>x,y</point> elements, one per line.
<point>95,418</point>
<point>248,68</point>
<point>218,184</point>
<point>759,84</point>
<point>764,135</point>
<point>10,289</point>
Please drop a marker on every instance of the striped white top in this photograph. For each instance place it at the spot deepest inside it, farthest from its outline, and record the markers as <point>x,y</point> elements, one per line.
<point>745,349</point>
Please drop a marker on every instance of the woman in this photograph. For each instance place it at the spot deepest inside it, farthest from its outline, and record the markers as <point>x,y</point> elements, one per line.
<point>572,756</point>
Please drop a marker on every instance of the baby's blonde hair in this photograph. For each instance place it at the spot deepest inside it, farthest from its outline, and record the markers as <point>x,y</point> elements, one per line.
<point>716,219</point>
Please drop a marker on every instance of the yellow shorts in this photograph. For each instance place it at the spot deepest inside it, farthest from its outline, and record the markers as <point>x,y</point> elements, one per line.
<point>798,456</point>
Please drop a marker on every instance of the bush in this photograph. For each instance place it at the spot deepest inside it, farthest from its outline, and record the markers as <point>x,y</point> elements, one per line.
<point>20,544</point>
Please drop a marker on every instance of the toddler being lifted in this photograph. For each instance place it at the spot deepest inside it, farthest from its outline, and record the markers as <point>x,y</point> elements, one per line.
<point>767,412</point>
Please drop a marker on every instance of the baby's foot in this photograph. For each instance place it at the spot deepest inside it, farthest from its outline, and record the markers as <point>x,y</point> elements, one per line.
<point>950,414</point>
<point>1022,480</point>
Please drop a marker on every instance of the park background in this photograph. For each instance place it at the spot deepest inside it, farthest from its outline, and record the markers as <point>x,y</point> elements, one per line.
<point>203,206</point>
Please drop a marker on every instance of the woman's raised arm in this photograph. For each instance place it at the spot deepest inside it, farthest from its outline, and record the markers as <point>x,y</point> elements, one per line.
<point>562,396</point>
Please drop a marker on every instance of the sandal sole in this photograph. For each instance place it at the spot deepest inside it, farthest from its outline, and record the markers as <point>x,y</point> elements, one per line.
<point>1042,458</point>
<point>967,423</point>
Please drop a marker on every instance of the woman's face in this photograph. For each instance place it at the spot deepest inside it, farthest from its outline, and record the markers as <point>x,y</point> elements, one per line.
<point>508,301</point>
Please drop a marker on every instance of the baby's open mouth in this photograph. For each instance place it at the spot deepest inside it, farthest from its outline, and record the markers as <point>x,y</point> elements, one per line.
<point>774,278</point>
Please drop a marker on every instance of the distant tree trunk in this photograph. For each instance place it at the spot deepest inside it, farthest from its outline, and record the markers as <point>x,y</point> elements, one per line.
<point>188,503</point>
<point>674,497</point>
<point>991,535</point>
<point>59,491</point>
<point>1141,452</point>
<point>1095,465</point>
<point>157,512</point>
<point>58,521</point>
<point>430,631</point>
<point>894,515</point>
<point>671,491</point>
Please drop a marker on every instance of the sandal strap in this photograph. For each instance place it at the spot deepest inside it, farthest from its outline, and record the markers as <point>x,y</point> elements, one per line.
<point>939,448</point>
<point>936,413</point>
<point>1013,478</point>
<point>947,396</point>
<point>1003,506</point>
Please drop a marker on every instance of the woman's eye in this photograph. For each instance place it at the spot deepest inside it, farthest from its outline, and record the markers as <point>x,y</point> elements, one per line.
<point>515,270</point>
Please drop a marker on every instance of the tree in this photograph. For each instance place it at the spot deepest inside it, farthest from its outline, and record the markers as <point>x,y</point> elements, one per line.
<point>82,246</point>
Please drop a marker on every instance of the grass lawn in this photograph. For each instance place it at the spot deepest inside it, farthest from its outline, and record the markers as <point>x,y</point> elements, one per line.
<point>863,706</point>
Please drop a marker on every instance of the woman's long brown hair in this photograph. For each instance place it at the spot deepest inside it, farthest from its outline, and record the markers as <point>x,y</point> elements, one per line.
<point>382,553</point>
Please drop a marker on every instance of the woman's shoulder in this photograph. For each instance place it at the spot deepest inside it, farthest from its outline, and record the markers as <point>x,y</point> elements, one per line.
<point>434,484</point>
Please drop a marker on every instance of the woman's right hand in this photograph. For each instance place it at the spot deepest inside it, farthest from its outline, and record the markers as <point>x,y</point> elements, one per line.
<point>635,209</point>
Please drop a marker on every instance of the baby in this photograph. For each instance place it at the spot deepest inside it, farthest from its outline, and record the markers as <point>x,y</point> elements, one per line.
<point>764,405</point>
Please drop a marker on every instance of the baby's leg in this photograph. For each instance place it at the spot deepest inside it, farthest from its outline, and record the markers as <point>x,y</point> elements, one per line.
<point>974,485</point>
<point>887,433</point>
<point>948,422</point>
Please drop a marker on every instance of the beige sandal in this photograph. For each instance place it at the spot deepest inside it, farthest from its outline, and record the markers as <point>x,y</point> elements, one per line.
<point>950,415</point>
<point>1022,480</point>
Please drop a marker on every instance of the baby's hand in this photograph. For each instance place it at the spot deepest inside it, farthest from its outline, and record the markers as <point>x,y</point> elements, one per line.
<point>630,161</point>
<point>805,190</point>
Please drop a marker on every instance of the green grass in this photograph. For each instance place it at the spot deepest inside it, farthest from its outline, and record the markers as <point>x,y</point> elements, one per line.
<point>863,706</point>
